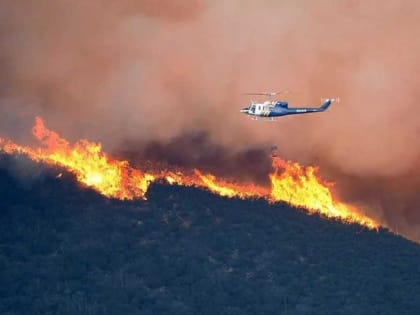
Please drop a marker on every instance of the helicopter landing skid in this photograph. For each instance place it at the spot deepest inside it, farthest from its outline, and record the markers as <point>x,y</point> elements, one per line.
<point>267,119</point>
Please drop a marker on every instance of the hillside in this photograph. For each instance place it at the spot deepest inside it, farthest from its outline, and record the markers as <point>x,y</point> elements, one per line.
<point>67,250</point>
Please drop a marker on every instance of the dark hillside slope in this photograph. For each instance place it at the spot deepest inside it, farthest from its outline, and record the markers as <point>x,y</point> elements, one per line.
<point>66,250</point>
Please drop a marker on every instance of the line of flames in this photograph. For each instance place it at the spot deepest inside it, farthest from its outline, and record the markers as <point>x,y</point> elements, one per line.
<point>290,182</point>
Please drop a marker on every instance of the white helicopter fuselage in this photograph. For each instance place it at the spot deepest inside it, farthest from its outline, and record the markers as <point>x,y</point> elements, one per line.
<point>261,109</point>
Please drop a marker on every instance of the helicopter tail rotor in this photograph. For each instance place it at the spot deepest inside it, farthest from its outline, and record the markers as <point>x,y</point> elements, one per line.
<point>332,99</point>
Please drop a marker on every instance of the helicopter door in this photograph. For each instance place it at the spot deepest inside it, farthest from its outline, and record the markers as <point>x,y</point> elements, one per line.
<point>265,110</point>
<point>252,109</point>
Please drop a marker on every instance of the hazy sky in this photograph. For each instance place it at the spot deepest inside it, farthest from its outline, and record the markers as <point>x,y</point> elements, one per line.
<point>161,70</point>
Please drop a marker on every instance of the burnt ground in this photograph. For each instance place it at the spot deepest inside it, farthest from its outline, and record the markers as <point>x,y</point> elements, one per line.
<point>66,250</point>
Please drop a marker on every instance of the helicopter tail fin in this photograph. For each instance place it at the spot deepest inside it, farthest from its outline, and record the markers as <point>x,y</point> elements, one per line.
<point>327,103</point>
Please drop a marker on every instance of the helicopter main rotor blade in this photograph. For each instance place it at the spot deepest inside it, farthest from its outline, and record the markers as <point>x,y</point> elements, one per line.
<point>269,93</point>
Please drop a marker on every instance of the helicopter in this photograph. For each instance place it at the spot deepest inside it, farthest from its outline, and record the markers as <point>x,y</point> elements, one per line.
<point>271,109</point>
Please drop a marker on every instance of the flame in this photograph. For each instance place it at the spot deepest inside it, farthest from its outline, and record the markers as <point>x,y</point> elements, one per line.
<point>86,160</point>
<point>216,185</point>
<point>290,182</point>
<point>300,186</point>
<point>227,189</point>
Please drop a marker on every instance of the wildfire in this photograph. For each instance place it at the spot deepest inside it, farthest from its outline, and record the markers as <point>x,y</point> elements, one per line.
<point>301,187</point>
<point>218,186</point>
<point>86,160</point>
<point>227,189</point>
<point>290,182</point>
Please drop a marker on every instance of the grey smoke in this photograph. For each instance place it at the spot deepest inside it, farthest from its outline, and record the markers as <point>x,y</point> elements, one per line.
<point>151,71</point>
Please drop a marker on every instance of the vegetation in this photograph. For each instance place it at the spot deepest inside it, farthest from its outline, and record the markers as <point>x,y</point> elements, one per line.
<point>66,250</point>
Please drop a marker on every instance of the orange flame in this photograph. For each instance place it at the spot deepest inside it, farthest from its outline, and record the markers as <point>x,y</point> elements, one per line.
<point>299,186</point>
<point>224,188</point>
<point>86,160</point>
<point>290,182</point>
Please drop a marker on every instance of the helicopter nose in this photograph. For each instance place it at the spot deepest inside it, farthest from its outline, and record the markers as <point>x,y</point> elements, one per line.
<point>244,110</point>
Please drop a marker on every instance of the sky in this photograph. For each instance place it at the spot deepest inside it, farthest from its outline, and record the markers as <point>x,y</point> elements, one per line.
<point>164,80</point>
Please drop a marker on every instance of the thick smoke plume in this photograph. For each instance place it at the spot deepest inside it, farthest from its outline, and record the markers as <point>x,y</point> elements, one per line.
<point>151,73</point>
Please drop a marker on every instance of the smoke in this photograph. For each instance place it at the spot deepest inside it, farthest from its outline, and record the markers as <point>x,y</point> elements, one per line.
<point>154,73</point>
<point>393,200</point>
<point>188,151</point>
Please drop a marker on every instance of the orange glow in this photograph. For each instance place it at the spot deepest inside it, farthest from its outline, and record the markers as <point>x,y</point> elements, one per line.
<point>227,189</point>
<point>299,186</point>
<point>85,159</point>
<point>290,182</point>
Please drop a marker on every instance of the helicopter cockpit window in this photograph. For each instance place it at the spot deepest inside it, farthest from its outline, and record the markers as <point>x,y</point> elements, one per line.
<point>252,109</point>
